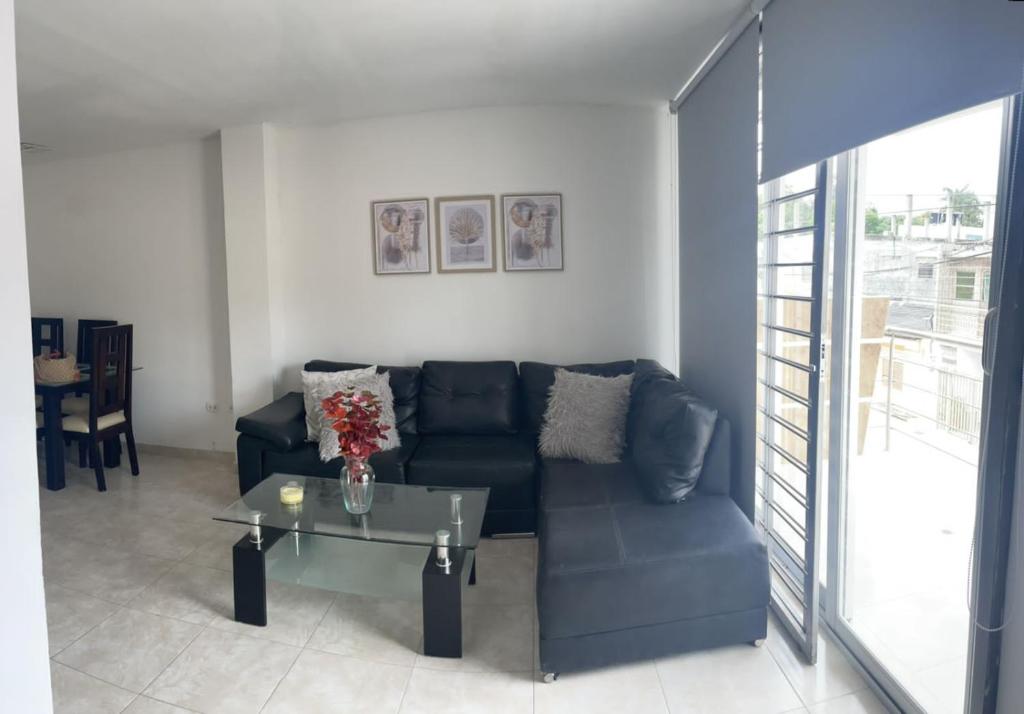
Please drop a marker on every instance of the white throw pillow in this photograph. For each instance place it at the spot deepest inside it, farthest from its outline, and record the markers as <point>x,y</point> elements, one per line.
<point>335,381</point>
<point>586,417</point>
<point>380,386</point>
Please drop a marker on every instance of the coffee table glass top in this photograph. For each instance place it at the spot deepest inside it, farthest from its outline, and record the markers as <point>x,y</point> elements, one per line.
<point>404,514</point>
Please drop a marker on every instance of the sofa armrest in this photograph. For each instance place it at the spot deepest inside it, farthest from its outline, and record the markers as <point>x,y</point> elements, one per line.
<point>282,422</point>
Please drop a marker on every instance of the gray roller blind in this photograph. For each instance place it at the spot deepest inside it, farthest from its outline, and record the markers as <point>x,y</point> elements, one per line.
<point>717,248</point>
<point>840,73</point>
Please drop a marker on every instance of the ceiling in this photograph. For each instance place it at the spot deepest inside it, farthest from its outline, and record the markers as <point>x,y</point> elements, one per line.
<point>104,75</point>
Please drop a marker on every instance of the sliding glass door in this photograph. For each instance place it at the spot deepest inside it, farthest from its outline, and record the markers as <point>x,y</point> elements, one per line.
<point>915,230</point>
<point>875,282</point>
<point>791,259</point>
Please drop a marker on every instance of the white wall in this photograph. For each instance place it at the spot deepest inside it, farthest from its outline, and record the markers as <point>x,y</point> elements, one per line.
<point>613,166</point>
<point>245,168</point>
<point>138,236</point>
<point>24,656</point>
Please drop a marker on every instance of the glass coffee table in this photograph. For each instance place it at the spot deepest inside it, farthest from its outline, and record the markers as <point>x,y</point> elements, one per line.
<point>406,547</point>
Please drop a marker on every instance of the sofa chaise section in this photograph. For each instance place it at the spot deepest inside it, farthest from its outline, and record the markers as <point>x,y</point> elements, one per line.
<point>621,578</point>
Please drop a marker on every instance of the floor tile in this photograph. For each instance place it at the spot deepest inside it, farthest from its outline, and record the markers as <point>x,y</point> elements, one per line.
<point>103,572</point>
<point>216,551</point>
<point>189,592</point>
<point>77,693</point>
<point>380,630</point>
<point>494,638</point>
<point>435,692</point>
<point>729,680</point>
<point>293,613</point>
<point>322,683</point>
<point>224,673</point>
<point>862,702</point>
<point>831,677</point>
<point>145,705</point>
<point>130,648</point>
<point>506,572</point>
<point>70,614</point>
<point>631,688</point>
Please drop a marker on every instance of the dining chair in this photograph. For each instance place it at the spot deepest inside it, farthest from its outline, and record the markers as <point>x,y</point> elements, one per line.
<point>53,341</point>
<point>84,342</point>
<point>110,402</point>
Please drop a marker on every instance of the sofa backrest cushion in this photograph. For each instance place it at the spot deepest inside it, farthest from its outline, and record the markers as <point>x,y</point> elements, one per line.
<point>673,429</point>
<point>716,475</point>
<point>646,377</point>
<point>405,385</point>
<point>536,379</point>
<point>468,398</point>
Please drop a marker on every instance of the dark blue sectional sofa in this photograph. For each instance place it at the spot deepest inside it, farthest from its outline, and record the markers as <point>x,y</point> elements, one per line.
<point>624,573</point>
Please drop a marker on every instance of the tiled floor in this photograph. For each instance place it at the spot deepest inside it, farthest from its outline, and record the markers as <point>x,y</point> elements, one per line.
<point>138,589</point>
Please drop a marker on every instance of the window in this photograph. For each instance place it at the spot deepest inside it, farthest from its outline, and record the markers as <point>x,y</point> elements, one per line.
<point>926,270</point>
<point>964,285</point>
<point>986,284</point>
<point>948,355</point>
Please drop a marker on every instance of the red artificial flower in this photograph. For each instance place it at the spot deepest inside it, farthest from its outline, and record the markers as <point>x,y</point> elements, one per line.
<point>355,416</point>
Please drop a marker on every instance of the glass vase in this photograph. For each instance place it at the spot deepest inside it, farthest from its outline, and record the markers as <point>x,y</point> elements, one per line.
<point>357,480</point>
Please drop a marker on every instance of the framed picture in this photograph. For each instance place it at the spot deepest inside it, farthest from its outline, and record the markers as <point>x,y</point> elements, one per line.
<point>401,236</point>
<point>465,234</point>
<point>532,231</point>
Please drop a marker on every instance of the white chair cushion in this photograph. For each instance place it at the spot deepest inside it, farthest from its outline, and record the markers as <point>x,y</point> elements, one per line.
<point>75,405</point>
<point>79,423</point>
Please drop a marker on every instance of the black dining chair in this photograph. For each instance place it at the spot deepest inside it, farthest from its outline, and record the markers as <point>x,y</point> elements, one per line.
<point>84,342</point>
<point>52,341</point>
<point>110,402</point>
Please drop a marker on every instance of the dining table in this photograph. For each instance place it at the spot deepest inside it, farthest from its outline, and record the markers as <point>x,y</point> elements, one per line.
<point>53,426</point>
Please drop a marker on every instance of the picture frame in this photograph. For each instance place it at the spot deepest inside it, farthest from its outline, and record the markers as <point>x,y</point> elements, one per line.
<point>532,232</point>
<point>400,232</point>
<point>465,234</point>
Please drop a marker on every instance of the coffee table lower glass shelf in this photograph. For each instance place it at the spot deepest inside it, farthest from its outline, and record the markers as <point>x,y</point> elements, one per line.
<point>387,553</point>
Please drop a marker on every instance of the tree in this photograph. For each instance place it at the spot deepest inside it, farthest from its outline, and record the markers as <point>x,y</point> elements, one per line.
<point>875,224</point>
<point>965,201</point>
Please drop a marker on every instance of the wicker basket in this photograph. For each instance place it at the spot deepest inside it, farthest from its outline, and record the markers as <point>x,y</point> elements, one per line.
<point>54,370</point>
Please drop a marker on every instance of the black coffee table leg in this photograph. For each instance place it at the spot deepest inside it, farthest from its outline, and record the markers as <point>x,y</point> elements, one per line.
<point>442,605</point>
<point>249,568</point>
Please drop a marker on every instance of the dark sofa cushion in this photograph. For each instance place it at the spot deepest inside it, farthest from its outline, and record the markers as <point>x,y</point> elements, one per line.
<point>282,422</point>
<point>506,463</point>
<point>616,566</point>
<point>537,378</point>
<point>673,428</point>
<point>648,375</point>
<point>405,385</point>
<point>389,466</point>
<point>468,398</point>
<point>572,484</point>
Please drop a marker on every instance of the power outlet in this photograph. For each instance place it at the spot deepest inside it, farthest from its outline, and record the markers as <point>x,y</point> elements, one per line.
<point>211,407</point>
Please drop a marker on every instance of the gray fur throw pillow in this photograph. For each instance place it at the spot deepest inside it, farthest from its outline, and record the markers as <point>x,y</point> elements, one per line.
<point>586,417</point>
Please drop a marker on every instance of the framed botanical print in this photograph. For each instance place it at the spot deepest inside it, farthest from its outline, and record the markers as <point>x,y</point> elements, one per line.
<point>401,236</point>
<point>465,233</point>
<point>532,231</point>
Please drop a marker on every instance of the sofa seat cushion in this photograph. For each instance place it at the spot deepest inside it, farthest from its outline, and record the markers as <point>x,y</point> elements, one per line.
<point>468,398</point>
<point>388,466</point>
<point>565,483</point>
<point>505,463</point>
<point>632,564</point>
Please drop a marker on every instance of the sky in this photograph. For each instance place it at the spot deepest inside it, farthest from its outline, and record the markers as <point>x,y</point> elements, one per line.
<point>962,149</point>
